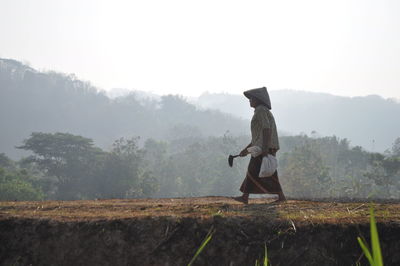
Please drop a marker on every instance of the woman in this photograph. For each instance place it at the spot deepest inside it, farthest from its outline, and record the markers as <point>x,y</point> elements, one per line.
<point>265,136</point>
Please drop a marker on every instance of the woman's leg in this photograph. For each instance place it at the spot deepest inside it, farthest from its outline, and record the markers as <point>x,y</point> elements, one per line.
<point>243,199</point>
<point>281,196</point>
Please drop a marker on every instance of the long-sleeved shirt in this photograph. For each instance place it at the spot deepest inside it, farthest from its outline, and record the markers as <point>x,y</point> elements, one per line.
<point>263,119</point>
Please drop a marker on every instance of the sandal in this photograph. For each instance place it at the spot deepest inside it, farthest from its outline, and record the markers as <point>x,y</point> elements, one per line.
<point>241,199</point>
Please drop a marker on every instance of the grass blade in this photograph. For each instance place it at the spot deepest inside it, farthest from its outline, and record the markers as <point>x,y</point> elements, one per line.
<point>376,249</point>
<point>365,250</point>
<point>265,257</point>
<point>376,258</point>
<point>203,244</point>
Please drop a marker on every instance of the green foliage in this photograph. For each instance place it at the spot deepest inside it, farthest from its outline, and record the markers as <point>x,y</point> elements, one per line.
<point>375,256</point>
<point>66,166</point>
<point>17,186</point>
<point>58,146</point>
<point>121,174</point>
<point>305,171</point>
<point>384,172</point>
<point>83,171</point>
<point>195,168</point>
<point>265,261</point>
<point>329,167</point>
<point>5,162</point>
<point>64,156</point>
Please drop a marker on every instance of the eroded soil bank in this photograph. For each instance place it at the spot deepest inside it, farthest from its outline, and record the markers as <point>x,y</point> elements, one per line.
<point>37,237</point>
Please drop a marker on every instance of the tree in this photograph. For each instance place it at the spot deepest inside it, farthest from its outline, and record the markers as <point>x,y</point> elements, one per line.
<point>120,173</point>
<point>396,147</point>
<point>5,162</point>
<point>160,164</point>
<point>15,185</point>
<point>83,171</point>
<point>64,156</point>
<point>384,171</point>
<point>305,173</point>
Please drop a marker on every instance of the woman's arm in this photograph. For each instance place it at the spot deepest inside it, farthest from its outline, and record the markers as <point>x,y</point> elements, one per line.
<point>244,152</point>
<point>266,135</point>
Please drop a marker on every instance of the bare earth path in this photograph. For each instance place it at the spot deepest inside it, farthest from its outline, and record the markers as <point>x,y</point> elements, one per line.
<point>201,208</point>
<point>168,231</point>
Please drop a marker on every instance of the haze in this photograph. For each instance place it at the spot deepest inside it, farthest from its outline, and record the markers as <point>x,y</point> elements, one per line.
<point>348,48</point>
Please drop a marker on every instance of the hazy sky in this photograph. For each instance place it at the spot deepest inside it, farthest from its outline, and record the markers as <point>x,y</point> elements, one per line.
<point>186,47</point>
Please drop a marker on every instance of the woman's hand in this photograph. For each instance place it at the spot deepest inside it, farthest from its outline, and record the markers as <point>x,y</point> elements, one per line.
<point>243,153</point>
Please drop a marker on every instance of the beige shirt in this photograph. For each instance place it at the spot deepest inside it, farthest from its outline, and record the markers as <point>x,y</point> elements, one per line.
<point>262,119</point>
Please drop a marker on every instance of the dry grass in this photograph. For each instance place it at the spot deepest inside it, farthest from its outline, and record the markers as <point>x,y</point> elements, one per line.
<point>205,207</point>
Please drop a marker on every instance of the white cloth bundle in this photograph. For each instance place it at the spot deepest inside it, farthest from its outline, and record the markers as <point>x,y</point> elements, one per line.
<point>269,163</point>
<point>268,166</point>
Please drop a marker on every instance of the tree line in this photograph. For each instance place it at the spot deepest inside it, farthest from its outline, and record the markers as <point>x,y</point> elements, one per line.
<point>182,150</point>
<point>64,166</point>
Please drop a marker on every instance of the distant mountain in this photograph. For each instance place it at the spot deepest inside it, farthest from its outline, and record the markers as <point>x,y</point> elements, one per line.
<point>32,101</point>
<point>371,122</point>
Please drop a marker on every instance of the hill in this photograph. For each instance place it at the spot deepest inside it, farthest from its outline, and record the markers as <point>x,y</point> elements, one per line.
<point>369,122</point>
<point>169,231</point>
<point>31,100</point>
<point>34,101</point>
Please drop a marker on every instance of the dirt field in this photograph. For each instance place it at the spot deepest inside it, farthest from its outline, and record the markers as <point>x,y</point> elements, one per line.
<point>169,231</point>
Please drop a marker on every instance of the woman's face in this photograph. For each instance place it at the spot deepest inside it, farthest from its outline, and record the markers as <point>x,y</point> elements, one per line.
<point>253,102</point>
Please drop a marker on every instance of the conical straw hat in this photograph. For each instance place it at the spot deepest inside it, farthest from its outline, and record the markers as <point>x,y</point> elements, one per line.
<point>261,94</point>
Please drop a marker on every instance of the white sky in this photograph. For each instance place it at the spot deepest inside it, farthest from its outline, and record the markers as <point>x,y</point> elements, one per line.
<point>186,47</point>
